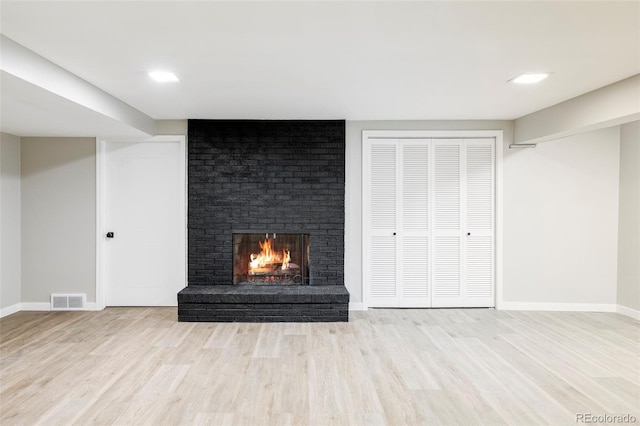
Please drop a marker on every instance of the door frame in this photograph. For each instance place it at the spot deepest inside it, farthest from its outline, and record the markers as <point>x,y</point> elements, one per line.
<point>498,206</point>
<point>101,281</point>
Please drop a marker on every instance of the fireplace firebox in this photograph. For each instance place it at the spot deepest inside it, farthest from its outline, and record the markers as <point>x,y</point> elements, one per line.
<point>270,259</point>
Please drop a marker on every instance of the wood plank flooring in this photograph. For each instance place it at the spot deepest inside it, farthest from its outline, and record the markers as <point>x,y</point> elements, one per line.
<point>139,366</point>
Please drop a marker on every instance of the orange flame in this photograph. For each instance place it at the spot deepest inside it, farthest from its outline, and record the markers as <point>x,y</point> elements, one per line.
<point>286,259</point>
<point>268,257</point>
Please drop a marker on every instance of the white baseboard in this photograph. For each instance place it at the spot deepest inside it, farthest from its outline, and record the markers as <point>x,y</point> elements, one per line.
<point>570,307</point>
<point>39,306</point>
<point>44,306</point>
<point>356,306</point>
<point>10,310</point>
<point>635,314</point>
<point>36,306</point>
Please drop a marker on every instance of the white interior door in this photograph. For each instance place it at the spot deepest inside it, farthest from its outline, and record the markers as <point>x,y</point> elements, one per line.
<point>144,208</point>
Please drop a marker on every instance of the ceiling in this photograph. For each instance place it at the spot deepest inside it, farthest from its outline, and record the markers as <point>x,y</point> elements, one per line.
<point>351,60</point>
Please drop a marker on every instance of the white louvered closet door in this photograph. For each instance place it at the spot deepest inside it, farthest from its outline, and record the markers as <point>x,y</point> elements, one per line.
<point>448,289</point>
<point>397,248</point>
<point>413,236</point>
<point>380,240</point>
<point>463,223</point>
<point>479,222</point>
<point>429,222</point>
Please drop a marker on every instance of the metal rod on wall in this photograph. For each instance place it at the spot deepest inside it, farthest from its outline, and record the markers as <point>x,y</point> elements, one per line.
<point>522,145</point>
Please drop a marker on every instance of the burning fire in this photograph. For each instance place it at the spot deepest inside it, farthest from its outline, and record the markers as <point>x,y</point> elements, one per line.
<point>268,258</point>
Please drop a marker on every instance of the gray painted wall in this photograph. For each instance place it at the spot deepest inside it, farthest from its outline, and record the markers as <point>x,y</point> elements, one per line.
<point>58,217</point>
<point>9,220</point>
<point>172,127</point>
<point>561,220</point>
<point>629,218</point>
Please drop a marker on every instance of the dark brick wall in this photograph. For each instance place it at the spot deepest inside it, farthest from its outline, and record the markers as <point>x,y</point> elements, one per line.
<point>265,176</point>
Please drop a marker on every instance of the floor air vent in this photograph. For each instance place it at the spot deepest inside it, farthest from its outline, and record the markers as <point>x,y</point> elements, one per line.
<point>68,302</point>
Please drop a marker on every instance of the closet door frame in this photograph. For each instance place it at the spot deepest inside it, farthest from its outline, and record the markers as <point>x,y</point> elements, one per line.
<point>497,135</point>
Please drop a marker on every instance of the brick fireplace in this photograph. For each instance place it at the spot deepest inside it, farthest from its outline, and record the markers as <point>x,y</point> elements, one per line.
<point>254,177</point>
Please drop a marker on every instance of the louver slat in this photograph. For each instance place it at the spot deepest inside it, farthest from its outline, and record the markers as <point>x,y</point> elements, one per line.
<point>383,267</point>
<point>446,280</point>
<point>383,187</point>
<point>479,267</point>
<point>415,272</point>
<point>415,187</point>
<point>447,187</point>
<point>479,187</point>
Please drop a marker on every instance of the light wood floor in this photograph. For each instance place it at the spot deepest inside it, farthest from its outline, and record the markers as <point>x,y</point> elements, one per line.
<point>139,366</point>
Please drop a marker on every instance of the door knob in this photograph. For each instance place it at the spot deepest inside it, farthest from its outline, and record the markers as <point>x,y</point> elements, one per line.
<point>110,234</point>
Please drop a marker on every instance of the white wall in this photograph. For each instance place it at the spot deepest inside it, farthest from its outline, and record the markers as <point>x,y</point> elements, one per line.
<point>58,217</point>
<point>629,217</point>
<point>561,220</point>
<point>172,127</point>
<point>353,183</point>
<point>9,222</point>
<point>606,107</point>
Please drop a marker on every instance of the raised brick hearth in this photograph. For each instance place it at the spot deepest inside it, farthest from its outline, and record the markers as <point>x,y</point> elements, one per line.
<point>258,303</point>
<point>260,176</point>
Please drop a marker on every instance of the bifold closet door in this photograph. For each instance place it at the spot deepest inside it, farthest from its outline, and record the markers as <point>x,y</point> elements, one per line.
<point>397,223</point>
<point>381,253</point>
<point>413,225</point>
<point>447,224</point>
<point>479,221</point>
<point>463,223</point>
<point>429,222</point>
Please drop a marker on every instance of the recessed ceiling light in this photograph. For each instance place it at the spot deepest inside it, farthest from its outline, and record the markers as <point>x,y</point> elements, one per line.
<point>529,78</point>
<point>163,76</point>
